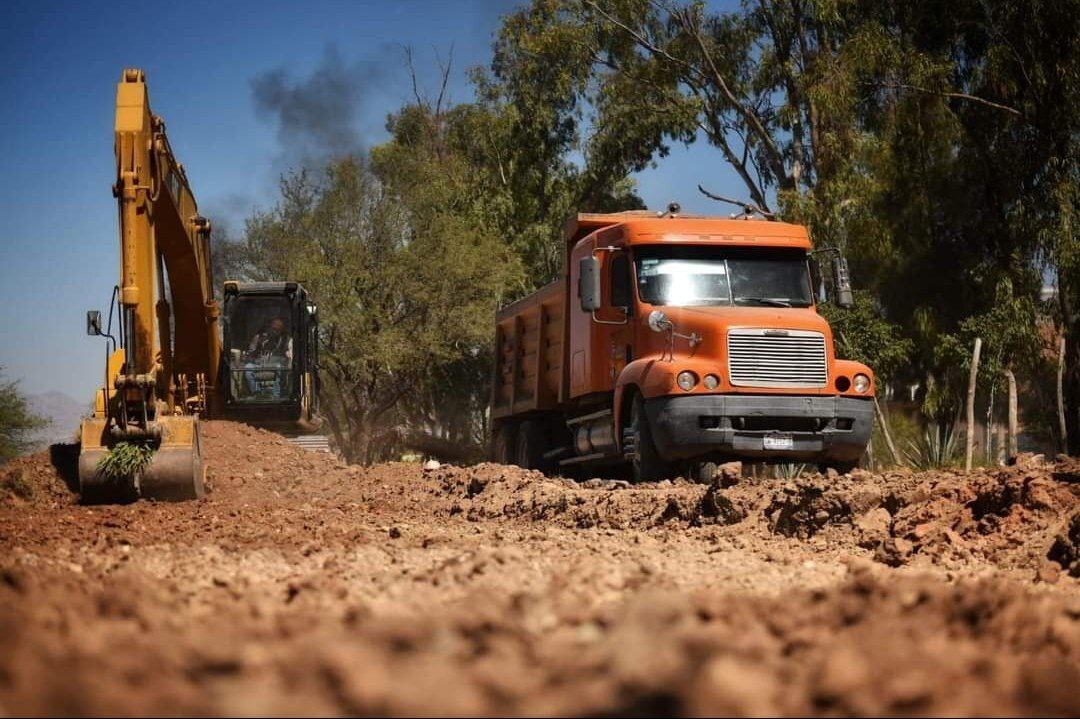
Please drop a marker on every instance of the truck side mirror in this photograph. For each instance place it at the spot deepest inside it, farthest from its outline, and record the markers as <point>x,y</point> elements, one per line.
<point>589,283</point>
<point>842,283</point>
<point>93,323</point>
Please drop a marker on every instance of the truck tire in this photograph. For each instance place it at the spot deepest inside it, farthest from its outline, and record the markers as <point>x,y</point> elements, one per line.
<point>646,462</point>
<point>504,443</point>
<point>533,440</point>
<point>840,467</point>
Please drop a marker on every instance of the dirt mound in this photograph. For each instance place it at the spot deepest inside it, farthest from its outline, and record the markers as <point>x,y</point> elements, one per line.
<point>868,646</point>
<point>304,586</point>
<point>42,479</point>
<point>492,492</point>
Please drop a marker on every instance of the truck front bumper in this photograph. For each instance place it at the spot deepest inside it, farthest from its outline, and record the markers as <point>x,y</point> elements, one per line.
<point>795,428</point>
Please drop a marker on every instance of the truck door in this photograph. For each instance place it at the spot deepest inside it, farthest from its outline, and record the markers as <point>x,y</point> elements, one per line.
<point>620,297</point>
<point>598,340</point>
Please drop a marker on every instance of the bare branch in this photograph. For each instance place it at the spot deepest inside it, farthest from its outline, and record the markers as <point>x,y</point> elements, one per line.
<point>445,70</point>
<point>718,135</point>
<point>751,118</point>
<point>412,74</point>
<point>942,93</point>
<point>748,207</point>
<point>642,40</point>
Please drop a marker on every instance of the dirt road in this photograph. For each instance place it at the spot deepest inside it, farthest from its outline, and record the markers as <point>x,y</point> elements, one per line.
<point>304,586</point>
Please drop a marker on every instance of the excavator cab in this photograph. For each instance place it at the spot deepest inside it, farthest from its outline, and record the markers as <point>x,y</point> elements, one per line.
<point>271,364</point>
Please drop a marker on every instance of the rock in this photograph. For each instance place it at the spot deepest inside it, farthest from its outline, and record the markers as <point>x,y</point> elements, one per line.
<point>861,501</point>
<point>1027,459</point>
<point>431,465</point>
<point>394,533</point>
<point>727,686</point>
<point>1049,572</point>
<point>875,521</point>
<point>922,531</point>
<point>729,473</point>
<point>716,508</point>
<point>894,551</point>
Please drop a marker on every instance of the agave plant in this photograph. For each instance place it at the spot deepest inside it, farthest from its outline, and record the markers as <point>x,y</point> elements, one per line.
<point>936,449</point>
<point>125,460</point>
<point>788,471</point>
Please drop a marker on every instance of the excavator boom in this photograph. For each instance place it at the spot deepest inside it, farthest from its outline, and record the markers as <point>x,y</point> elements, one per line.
<point>163,375</point>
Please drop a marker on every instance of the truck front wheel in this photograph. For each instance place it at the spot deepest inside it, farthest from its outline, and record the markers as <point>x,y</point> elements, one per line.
<point>638,445</point>
<point>840,467</point>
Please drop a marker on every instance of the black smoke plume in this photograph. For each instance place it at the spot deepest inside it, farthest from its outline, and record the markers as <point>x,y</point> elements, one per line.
<point>328,113</point>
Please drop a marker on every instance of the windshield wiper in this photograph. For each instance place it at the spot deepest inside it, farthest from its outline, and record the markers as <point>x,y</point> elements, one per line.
<point>770,301</point>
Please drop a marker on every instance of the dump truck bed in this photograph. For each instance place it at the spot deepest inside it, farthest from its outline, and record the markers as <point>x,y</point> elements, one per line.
<point>529,367</point>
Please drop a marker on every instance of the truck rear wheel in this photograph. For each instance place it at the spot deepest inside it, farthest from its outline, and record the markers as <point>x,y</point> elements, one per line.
<point>504,443</point>
<point>533,440</point>
<point>647,464</point>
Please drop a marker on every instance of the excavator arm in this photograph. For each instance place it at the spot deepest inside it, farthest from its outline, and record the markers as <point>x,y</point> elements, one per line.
<point>164,374</point>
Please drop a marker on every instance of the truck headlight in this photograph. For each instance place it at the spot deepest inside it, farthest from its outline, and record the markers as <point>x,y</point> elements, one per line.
<point>686,380</point>
<point>711,381</point>
<point>862,383</point>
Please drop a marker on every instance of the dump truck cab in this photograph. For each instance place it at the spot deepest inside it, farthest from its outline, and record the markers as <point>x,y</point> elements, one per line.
<point>686,339</point>
<point>271,352</point>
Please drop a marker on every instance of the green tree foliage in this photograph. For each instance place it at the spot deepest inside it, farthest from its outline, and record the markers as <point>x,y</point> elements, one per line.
<point>1011,340</point>
<point>864,335</point>
<point>16,421</point>
<point>404,295</point>
<point>934,142</point>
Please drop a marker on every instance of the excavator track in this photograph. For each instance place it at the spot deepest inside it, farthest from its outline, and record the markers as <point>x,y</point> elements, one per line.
<point>175,474</point>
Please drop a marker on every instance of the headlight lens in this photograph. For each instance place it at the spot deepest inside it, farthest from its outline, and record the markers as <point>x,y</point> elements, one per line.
<point>862,383</point>
<point>711,381</point>
<point>686,380</point>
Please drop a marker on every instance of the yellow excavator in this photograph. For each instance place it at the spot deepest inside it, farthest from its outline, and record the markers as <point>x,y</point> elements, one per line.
<point>163,368</point>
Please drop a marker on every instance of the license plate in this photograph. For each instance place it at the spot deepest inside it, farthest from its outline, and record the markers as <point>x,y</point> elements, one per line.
<point>778,441</point>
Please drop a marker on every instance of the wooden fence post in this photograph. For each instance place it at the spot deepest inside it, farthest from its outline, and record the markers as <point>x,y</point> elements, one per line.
<point>1062,430</point>
<point>971,403</point>
<point>884,424</point>
<point>1013,441</point>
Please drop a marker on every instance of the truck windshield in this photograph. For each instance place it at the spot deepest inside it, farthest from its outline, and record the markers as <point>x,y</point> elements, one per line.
<point>710,275</point>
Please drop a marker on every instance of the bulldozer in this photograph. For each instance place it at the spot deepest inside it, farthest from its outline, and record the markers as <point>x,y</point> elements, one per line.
<point>164,360</point>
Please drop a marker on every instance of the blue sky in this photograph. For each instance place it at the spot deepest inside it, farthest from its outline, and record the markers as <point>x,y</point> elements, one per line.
<point>61,61</point>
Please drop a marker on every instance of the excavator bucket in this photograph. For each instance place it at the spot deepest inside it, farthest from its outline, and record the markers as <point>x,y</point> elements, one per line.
<point>174,474</point>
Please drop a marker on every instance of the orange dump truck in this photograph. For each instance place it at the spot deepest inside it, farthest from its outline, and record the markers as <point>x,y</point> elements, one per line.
<point>673,341</point>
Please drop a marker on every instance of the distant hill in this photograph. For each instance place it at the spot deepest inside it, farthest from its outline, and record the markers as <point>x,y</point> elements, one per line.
<point>63,413</point>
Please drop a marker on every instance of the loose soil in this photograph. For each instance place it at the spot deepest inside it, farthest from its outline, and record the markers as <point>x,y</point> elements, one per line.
<point>304,586</point>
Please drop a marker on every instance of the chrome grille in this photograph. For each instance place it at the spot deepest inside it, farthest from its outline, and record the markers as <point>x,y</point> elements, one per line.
<point>777,358</point>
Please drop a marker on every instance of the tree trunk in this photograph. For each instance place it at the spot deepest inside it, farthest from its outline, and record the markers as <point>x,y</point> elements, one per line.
<point>971,404</point>
<point>989,434</point>
<point>884,424</point>
<point>1012,443</point>
<point>1062,429</point>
